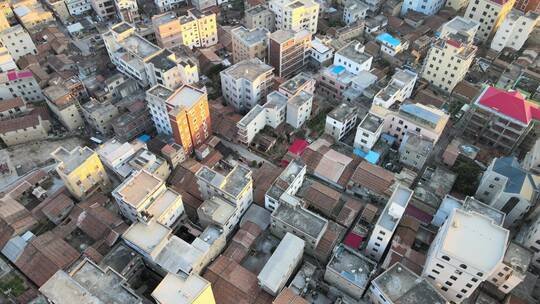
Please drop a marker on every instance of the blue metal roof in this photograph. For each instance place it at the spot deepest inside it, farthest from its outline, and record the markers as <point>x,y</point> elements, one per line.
<point>371,156</point>
<point>385,37</point>
<point>420,113</point>
<point>509,167</point>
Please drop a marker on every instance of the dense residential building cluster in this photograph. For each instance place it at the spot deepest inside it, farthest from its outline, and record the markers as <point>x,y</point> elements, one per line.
<point>270,152</point>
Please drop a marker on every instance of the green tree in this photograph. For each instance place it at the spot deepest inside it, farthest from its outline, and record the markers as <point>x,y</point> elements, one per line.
<point>468,177</point>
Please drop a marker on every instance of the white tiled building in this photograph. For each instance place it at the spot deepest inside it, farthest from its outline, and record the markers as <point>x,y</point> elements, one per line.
<point>78,7</point>
<point>299,109</point>
<point>489,14</point>
<point>430,7</point>
<point>507,187</point>
<point>295,15</point>
<point>450,57</point>
<point>340,121</point>
<point>144,196</point>
<point>514,30</point>
<point>167,5</point>
<point>387,223</point>
<point>467,250</point>
<point>353,57</point>
<point>354,10</point>
<point>246,83</point>
<point>368,132</point>
<point>398,89</point>
<point>144,61</point>
<point>18,42</point>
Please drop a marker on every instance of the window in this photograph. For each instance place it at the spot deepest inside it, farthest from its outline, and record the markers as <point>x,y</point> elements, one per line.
<point>463,266</point>
<point>446,258</point>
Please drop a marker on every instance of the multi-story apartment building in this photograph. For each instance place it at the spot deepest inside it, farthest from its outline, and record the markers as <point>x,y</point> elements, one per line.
<point>183,114</point>
<point>321,53</point>
<point>271,114</point>
<point>340,121</point>
<point>20,125</point>
<point>203,5</point>
<point>168,5</point>
<point>334,81</point>
<point>429,8</point>
<point>18,42</point>
<point>398,89</point>
<point>415,150</point>
<point>514,30</point>
<point>299,109</point>
<point>23,84</point>
<point>294,86</point>
<point>59,8</point>
<point>391,45</point>
<point>78,7</point>
<point>65,106</point>
<point>387,223</point>
<point>81,170</point>
<point>354,10</point>
<point>529,237</point>
<point>489,14</point>
<point>346,263</point>
<point>353,58</point>
<point>514,268</point>
<point>236,185</point>
<point>31,14</point>
<point>295,15</point>
<point>249,43</point>
<point>246,83</point>
<point>506,186</point>
<point>528,6</point>
<point>467,250</point>
<point>260,17</point>
<point>398,284</point>
<point>368,132</point>
<point>144,196</point>
<point>145,62</point>
<point>427,121</point>
<point>286,184</point>
<point>99,115</point>
<point>127,10</point>
<point>295,219</point>
<point>531,162</point>
<point>200,290</point>
<point>450,57</point>
<point>195,29</point>
<point>503,120</point>
<point>6,61</point>
<point>168,30</point>
<point>288,51</point>
<point>104,9</point>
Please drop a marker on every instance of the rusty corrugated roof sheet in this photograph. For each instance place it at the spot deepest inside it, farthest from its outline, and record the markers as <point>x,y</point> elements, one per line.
<point>45,255</point>
<point>232,283</point>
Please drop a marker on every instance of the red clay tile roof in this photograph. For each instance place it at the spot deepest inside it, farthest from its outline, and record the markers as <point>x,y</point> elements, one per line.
<point>510,103</point>
<point>349,212</point>
<point>331,237</point>
<point>11,103</point>
<point>373,177</point>
<point>322,198</point>
<point>287,296</point>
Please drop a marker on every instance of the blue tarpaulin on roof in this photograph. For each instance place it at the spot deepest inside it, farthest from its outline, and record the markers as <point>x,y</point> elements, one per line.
<point>371,156</point>
<point>144,138</point>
